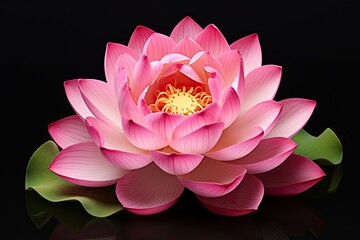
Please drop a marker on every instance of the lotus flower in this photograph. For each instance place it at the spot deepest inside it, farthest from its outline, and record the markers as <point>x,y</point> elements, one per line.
<point>190,111</point>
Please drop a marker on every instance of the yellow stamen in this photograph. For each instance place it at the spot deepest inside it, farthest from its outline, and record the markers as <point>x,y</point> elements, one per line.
<point>181,100</point>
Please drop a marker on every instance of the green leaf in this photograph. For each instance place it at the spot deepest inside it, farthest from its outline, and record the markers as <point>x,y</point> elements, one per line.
<point>326,148</point>
<point>98,202</point>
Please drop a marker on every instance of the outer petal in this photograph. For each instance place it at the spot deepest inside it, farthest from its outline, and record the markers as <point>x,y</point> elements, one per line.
<point>261,84</point>
<point>293,117</point>
<point>230,106</point>
<point>187,27</point>
<point>138,39</point>
<point>231,62</point>
<point>176,163</point>
<point>213,178</point>
<point>75,98</point>
<point>269,154</point>
<point>101,100</point>
<point>142,137</point>
<point>141,77</point>
<point>83,164</point>
<point>250,50</point>
<point>293,176</point>
<point>212,40</point>
<point>199,141</point>
<point>157,46</point>
<point>187,47</point>
<point>115,146</point>
<point>163,123</point>
<point>148,190</point>
<point>69,131</point>
<point>235,144</point>
<point>112,53</point>
<point>242,200</point>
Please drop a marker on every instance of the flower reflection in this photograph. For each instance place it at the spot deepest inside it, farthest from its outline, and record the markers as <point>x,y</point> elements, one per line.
<point>278,218</point>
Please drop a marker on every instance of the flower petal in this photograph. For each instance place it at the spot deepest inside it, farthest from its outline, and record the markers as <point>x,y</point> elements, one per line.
<point>101,100</point>
<point>141,136</point>
<point>138,39</point>
<point>216,85</point>
<point>75,98</point>
<point>163,123</point>
<point>269,154</point>
<point>213,178</point>
<point>157,46</point>
<point>242,200</point>
<point>148,190</point>
<point>235,143</point>
<point>69,131</point>
<point>141,77</point>
<point>200,140</point>
<point>202,59</point>
<point>261,84</point>
<point>197,120</point>
<point>231,62</point>
<point>83,164</point>
<point>293,117</point>
<point>293,176</point>
<point>126,105</point>
<point>230,106</point>
<point>212,40</point>
<point>264,114</point>
<point>249,47</point>
<point>187,47</point>
<point>115,146</point>
<point>187,27</point>
<point>176,163</point>
<point>112,53</point>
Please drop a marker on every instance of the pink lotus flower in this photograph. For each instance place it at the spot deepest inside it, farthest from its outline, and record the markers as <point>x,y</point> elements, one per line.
<point>187,110</point>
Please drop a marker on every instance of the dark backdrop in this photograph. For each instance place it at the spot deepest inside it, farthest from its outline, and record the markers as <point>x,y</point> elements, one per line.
<point>44,43</point>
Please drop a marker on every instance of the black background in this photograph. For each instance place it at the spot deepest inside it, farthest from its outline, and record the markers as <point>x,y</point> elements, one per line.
<point>44,43</point>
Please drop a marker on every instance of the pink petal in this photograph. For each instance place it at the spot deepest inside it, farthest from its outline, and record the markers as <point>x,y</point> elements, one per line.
<point>199,141</point>
<point>295,114</point>
<point>190,72</point>
<point>187,47</point>
<point>230,106</point>
<point>261,84</point>
<point>101,100</point>
<point>112,53</point>
<point>141,77</point>
<point>212,40</point>
<point>231,62</point>
<point>216,84</point>
<point>126,105</point>
<point>157,46</point>
<point>176,163</point>
<point>69,131</point>
<point>235,143</point>
<point>148,190</point>
<point>202,59</point>
<point>250,50</point>
<point>269,154</point>
<point>115,146</point>
<point>293,176</point>
<point>138,39</point>
<point>75,98</point>
<point>83,164</point>
<point>195,121</point>
<point>142,137</point>
<point>264,115</point>
<point>242,200</point>
<point>213,178</point>
<point>127,63</point>
<point>187,27</point>
<point>163,123</point>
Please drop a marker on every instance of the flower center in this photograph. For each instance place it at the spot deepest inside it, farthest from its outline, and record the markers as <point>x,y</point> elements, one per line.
<point>185,101</point>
